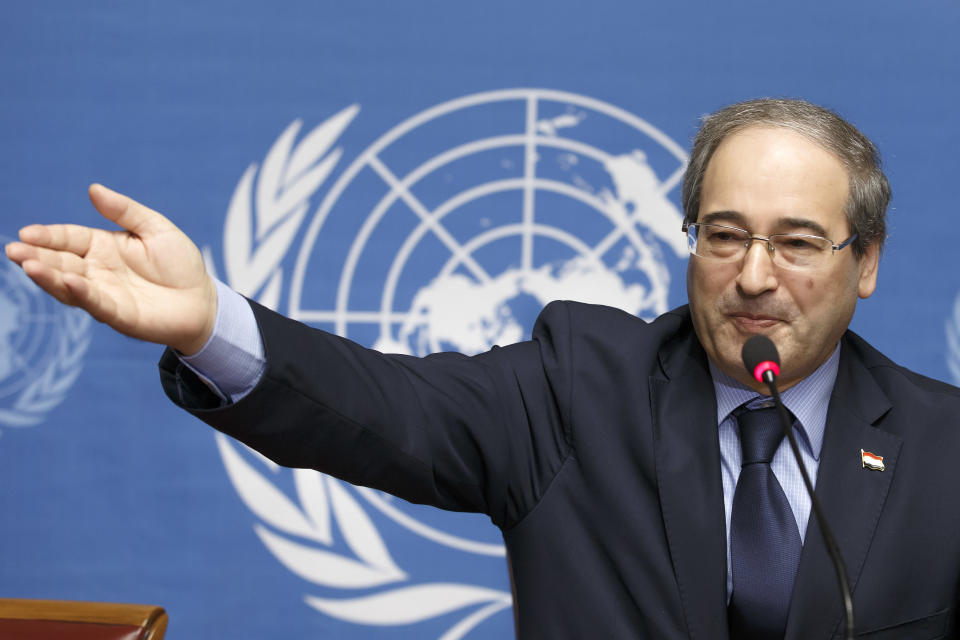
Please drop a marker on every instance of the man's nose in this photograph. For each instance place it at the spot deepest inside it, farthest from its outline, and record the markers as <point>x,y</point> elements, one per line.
<point>757,273</point>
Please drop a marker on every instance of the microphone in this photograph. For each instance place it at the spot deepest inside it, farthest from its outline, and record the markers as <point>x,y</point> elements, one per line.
<point>762,361</point>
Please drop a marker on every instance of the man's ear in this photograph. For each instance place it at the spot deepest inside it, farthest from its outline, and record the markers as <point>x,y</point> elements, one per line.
<point>869,263</point>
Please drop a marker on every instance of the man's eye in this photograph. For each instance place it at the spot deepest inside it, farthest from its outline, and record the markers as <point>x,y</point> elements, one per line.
<point>720,237</point>
<point>797,244</point>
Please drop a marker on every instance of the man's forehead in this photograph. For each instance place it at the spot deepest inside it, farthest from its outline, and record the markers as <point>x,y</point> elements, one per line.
<point>776,178</point>
<point>780,133</point>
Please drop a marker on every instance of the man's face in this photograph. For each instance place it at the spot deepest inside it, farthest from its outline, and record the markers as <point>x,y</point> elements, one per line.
<point>771,180</point>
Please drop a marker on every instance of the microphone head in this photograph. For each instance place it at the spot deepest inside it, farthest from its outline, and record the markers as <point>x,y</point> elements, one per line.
<point>759,356</point>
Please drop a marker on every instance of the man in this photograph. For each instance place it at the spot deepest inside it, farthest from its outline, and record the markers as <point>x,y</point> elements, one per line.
<point>615,455</point>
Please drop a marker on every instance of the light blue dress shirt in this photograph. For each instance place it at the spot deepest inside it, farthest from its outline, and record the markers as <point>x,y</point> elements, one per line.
<point>232,362</point>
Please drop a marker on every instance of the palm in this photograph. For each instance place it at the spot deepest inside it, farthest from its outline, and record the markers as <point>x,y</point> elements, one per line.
<point>148,282</point>
<point>146,279</point>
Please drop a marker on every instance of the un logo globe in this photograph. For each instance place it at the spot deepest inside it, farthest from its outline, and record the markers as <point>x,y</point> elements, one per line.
<point>457,226</point>
<point>41,346</point>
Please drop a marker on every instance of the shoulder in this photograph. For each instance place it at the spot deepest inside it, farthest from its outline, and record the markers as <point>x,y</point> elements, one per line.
<point>598,322</point>
<point>599,340</point>
<point>898,381</point>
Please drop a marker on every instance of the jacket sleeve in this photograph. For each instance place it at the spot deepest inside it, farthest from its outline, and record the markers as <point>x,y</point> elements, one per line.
<point>485,433</point>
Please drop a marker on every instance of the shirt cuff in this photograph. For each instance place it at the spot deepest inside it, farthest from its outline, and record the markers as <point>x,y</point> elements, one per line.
<point>231,363</point>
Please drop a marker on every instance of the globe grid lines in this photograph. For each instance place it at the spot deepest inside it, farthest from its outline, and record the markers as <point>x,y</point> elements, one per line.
<point>401,188</point>
<point>528,183</point>
<point>333,195</point>
<point>31,340</point>
<point>428,218</point>
<point>429,221</point>
<point>529,175</point>
<point>485,237</point>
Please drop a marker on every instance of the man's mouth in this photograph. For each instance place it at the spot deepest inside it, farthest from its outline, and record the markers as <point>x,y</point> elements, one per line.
<point>753,321</point>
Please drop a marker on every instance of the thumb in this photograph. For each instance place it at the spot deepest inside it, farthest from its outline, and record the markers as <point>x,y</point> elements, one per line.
<point>127,212</point>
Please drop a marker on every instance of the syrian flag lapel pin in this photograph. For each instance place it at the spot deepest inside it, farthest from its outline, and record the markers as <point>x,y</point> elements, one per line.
<point>871,460</point>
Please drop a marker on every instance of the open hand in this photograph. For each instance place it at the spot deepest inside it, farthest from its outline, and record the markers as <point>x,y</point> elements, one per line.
<point>148,281</point>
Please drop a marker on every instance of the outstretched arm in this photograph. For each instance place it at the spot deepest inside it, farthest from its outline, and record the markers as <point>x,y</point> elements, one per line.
<point>147,281</point>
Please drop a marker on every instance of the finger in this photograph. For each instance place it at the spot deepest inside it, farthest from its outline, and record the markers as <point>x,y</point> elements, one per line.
<point>60,237</point>
<point>48,279</point>
<point>18,251</point>
<point>127,212</point>
<point>58,260</point>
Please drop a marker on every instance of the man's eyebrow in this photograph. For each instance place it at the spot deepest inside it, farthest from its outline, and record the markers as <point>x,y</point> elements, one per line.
<point>803,223</point>
<point>738,219</point>
<point>733,217</point>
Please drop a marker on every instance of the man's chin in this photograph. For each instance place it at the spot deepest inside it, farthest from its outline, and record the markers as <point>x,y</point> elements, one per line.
<point>732,365</point>
<point>728,346</point>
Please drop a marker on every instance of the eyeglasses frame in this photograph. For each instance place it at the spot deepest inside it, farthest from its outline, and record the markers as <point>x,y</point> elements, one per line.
<point>770,248</point>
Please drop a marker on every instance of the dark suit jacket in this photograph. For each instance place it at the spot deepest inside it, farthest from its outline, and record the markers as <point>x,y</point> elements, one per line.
<point>594,448</point>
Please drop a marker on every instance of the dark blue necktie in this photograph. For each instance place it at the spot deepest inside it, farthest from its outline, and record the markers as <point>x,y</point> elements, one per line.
<point>764,539</point>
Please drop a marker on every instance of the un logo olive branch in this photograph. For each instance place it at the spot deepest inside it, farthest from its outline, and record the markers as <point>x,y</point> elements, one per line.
<point>264,217</point>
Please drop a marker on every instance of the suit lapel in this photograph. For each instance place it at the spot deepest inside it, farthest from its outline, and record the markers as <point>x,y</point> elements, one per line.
<point>851,497</point>
<point>689,482</point>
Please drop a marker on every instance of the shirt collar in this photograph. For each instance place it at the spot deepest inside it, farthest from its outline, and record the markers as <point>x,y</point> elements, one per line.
<point>808,400</point>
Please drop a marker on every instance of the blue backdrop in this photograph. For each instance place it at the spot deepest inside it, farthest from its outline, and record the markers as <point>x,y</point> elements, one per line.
<point>417,176</point>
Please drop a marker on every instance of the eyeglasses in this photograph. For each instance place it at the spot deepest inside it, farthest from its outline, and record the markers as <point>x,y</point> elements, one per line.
<point>799,251</point>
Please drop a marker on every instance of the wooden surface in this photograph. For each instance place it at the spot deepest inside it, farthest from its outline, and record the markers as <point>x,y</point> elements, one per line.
<point>152,619</point>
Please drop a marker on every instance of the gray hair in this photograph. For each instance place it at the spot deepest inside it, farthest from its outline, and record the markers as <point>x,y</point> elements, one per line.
<point>869,196</point>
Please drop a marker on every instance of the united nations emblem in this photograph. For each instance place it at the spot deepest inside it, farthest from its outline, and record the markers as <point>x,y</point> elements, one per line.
<point>42,344</point>
<point>450,232</point>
